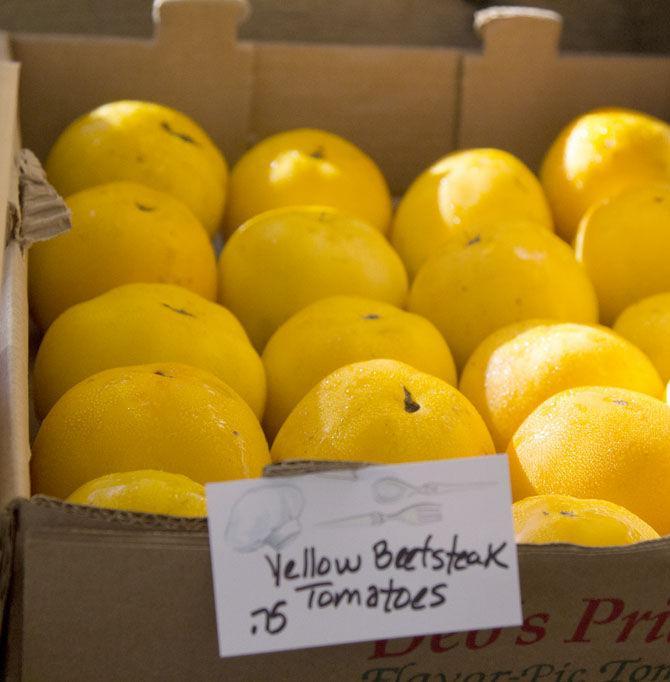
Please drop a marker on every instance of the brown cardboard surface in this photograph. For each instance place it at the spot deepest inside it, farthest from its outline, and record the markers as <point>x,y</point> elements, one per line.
<point>130,598</point>
<point>120,596</point>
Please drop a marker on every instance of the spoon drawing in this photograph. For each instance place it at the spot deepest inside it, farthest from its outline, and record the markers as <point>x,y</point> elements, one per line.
<point>388,490</point>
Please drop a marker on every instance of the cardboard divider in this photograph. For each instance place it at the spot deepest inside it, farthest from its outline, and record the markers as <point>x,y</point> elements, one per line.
<point>253,89</point>
<point>428,100</point>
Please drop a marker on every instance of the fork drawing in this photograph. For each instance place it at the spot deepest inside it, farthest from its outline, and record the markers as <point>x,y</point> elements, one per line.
<point>390,489</point>
<point>415,515</point>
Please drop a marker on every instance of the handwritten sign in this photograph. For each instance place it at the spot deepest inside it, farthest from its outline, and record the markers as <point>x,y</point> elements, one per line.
<point>372,553</point>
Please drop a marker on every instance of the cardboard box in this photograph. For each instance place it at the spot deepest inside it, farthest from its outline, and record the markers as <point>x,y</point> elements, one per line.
<point>99,595</point>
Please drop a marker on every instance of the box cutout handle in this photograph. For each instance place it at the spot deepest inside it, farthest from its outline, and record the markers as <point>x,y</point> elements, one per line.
<point>183,21</point>
<point>511,31</point>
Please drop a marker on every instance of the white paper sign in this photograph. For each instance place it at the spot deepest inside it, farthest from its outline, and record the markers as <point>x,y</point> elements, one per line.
<point>357,555</point>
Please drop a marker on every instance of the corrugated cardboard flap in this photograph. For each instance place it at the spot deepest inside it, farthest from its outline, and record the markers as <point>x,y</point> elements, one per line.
<point>49,518</point>
<point>49,514</point>
<point>54,512</point>
<point>43,212</point>
<point>35,212</point>
<point>305,466</point>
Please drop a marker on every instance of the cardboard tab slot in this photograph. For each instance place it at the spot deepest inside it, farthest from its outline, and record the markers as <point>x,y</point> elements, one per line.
<point>534,33</point>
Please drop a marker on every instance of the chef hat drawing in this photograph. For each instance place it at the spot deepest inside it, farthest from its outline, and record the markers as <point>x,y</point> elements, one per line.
<point>265,516</point>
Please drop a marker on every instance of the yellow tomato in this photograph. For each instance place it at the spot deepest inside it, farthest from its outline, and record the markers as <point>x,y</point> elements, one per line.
<point>308,166</point>
<point>464,191</point>
<point>647,325</point>
<point>383,412</point>
<point>600,443</point>
<point>121,233</point>
<point>146,143</point>
<point>138,324</point>
<point>597,156</point>
<point>514,370</point>
<point>282,260</point>
<point>338,331</point>
<point>483,280</point>
<point>152,492</point>
<point>624,243</point>
<point>167,417</point>
<point>561,518</point>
